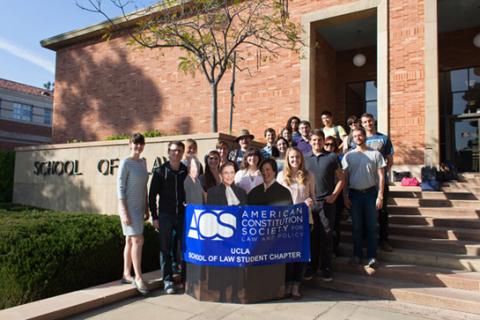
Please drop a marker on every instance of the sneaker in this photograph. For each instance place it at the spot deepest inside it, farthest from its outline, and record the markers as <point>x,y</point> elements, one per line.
<point>385,246</point>
<point>327,275</point>
<point>169,287</point>
<point>308,274</point>
<point>355,261</point>
<point>373,263</point>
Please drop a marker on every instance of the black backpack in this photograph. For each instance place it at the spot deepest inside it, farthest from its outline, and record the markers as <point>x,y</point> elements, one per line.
<point>429,173</point>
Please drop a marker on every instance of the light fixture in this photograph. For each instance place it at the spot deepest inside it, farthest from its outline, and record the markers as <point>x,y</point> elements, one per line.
<point>476,40</point>
<point>359,59</point>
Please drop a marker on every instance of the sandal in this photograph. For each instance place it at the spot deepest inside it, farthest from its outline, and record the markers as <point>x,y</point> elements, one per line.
<point>126,281</point>
<point>297,296</point>
<point>141,287</point>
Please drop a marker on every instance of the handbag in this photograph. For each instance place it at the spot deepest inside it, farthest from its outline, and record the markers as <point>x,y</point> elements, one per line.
<point>409,182</point>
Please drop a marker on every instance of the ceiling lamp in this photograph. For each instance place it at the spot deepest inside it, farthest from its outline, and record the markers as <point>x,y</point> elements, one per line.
<point>476,40</point>
<point>359,60</point>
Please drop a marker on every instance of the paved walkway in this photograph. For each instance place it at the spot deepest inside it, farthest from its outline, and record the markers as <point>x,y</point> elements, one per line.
<point>316,304</point>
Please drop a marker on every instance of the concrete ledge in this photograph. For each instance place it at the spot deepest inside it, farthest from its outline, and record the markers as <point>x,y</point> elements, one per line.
<point>198,136</point>
<point>72,303</point>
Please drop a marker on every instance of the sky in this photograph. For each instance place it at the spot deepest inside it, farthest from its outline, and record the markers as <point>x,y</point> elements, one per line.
<point>24,23</point>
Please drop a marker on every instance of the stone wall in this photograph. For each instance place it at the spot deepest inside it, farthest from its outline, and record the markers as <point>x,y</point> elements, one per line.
<point>86,182</point>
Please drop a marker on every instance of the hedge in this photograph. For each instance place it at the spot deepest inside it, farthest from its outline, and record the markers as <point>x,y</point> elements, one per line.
<point>7,168</point>
<point>45,253</point>
<point>146,134</point>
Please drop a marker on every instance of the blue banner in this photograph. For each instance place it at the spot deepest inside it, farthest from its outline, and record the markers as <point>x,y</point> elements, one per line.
<point>238,236</point>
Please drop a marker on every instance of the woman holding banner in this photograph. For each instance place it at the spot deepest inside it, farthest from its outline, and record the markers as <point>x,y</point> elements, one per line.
<point>227,193</point>
<point>301,184</point>
<point>272,193</point>
<point>223,280</point>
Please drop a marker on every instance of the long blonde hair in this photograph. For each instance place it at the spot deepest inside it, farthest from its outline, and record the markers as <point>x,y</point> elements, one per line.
<point>302,173</point>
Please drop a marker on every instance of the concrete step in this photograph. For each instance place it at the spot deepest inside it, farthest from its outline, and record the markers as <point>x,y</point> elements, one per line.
<point>457,279</point>
<point>434,195</point>
<point>467,175</point>
<point>66,305</point>
<point>463,188</point>
<point>470,248</point>
<point>422,258</point>
<point>438,297</point>
<point>434,212</point>
<point>469,182</point>
<point>433,203</point>
<point>475,190</point>
<point>428,232</point>
<point>447,222</point>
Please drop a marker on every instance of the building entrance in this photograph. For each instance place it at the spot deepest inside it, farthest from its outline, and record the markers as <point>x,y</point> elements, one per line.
<point>460,117</point>
<point>465,143</point>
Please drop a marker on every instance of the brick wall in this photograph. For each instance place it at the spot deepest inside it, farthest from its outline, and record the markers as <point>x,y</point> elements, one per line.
<point>104,88</point>
<point>407,76</point>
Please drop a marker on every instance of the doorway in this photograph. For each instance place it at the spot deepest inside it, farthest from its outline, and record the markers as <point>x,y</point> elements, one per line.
<point>460,118</point>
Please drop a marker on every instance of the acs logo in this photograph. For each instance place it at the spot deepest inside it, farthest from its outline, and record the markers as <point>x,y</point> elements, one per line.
<point>212,225</point>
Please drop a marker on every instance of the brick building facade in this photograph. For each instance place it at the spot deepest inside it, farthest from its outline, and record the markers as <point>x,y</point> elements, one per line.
<point>415,51</point>
<point>25,115</point>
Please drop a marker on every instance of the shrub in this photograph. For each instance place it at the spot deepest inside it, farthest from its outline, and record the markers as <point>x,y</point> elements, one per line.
<point>44,253</point>
<point>147,134</point>
<point>7,168</point>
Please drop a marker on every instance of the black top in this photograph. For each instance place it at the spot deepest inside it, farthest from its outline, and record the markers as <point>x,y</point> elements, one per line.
<point>216,195</point>
<point>275,195</point>
<point>323,168</point>
<point>168,184</point>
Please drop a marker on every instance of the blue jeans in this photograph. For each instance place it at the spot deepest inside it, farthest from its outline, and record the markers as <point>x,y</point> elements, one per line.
<point>169,223</point>
<point>364,211</point>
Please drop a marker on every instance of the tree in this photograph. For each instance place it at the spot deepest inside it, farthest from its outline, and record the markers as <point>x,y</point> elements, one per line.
<point>209,32</point>
<point>50,86</point>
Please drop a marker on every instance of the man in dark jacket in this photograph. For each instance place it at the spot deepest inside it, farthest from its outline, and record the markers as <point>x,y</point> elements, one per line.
<point>168,216</point>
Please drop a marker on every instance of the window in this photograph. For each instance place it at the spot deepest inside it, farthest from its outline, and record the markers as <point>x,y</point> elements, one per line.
<point>22,112</point>
<point>47,117</point>
<point>361,97</point>
<point>460,90</point>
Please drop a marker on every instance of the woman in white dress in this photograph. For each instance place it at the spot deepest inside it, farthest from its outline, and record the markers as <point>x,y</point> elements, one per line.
<point>248,177</point>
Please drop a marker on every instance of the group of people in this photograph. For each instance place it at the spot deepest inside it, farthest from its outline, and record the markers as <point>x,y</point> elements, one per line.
<point>327,169</point>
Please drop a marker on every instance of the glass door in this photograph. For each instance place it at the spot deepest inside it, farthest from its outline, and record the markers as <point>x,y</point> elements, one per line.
<point>459,118</point>
<point>465,144</point>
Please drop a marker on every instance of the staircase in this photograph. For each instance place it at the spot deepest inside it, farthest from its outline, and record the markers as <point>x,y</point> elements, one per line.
<point>436,257</point>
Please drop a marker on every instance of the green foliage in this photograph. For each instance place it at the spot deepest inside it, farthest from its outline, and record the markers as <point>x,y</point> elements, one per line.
<point>121,136</point>
<point>7,168</point>
<point>146,134</point>
<point>45,253</point>
<point>153,133</point>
